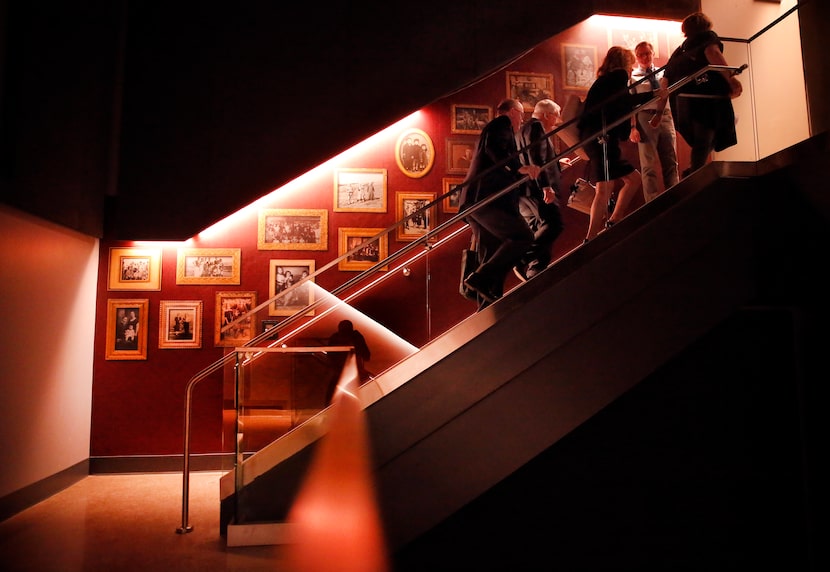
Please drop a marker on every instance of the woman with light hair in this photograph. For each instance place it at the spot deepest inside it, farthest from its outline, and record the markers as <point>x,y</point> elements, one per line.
<point>608,101</point>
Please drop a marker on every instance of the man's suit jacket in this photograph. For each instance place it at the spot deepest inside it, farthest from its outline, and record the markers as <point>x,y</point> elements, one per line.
<point>496,146</point>
<point>539,152</point>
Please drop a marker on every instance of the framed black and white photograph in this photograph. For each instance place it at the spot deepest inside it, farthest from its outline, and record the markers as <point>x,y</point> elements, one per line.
<point>450,203</point>
<point>293,229</point>
<point>459,155</point>
<point>126,337</point>
<point>419,224</point>
<point>230,307</point>
<point>360,190</point>
<point>208,265</point>
<point>180,324</point>
<point>283,275</point>
<point>469,119</point>
<point>414,152</point>
<point>270,326</point>
<point>579,66</point>
<point>368,255</point>
<point>134,269</point>
<point>529,87</point>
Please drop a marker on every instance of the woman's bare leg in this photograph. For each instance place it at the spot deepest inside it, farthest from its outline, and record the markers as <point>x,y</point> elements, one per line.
<point>599,208</point>
<point>631,186</point>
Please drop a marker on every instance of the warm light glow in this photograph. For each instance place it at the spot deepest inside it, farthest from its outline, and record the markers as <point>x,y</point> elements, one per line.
<point>156,243</point>
<point>625,23</point>
<point>335,514</point>
<point>361,321</point>
<point>300,183</point>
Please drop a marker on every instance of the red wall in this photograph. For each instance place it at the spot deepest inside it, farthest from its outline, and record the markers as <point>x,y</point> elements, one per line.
<point>137,406</point>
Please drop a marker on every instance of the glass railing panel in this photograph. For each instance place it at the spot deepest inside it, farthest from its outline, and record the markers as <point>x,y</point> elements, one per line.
<point>398,303</point>
<point>279,388</point>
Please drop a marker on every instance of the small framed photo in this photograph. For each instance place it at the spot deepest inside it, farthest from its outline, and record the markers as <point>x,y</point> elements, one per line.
<point>268,325</point>
<point>281,276</point>
<point>451,202</point>
<point>231,306</point>
<point>629,38</point>
<point>135,269</point>
<point>579,66</point>
<point>529,87</point>
<point>418,225</point>
<point>126,337</point>
<point>414,152</point>
<point>469,119</point>
<point>208,265</point>
<point>368,255</point>
<point>360,190</point>
<point>459,155</point>
<point>180,324</point>
<point>293,229</point>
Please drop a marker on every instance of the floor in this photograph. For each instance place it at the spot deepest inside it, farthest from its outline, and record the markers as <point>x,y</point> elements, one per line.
<point>128,523</point>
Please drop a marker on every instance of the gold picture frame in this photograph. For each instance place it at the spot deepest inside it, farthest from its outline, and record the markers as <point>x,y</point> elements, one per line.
<point>529,87</point>
<point>579,66</point>
<point>360,190</point>
<point>134,269</point>
<point>208,265</point>
<point>414,152</point>
<point>180,324</point>
<point>451,202</point>
<point>415,227</point>
<point>366,257</point>
<point>281,275</point>
<point>267,325</point>
<point>459,155</point>
<point>469,119</point>
<point>230,306</point>
<point>293,229</point>
<point>126,337</point>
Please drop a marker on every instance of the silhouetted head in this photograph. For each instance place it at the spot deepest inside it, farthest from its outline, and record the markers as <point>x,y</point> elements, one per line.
<point>345,326</point>
<point>695,24</point>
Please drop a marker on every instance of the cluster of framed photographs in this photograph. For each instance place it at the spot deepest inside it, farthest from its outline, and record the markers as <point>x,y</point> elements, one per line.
<point>355,190</point>
<point>181,321</point>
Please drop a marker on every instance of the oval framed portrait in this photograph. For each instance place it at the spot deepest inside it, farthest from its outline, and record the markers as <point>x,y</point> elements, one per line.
<point>414,153</point>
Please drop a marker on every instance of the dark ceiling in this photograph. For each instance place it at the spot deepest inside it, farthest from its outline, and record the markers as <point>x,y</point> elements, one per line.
<point>151,120</point>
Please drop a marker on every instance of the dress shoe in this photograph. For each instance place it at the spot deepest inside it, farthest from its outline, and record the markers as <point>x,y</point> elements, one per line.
<point>476,281</point>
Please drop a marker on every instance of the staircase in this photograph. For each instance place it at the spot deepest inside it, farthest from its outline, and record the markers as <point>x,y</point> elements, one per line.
<point>503,388</point>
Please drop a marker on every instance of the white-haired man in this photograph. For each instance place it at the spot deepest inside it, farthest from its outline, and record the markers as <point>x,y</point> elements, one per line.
<point>539,204</point>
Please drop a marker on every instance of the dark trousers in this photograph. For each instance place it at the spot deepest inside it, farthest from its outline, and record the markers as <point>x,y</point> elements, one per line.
<point>702,145</point>
<point>503,239</point>
<point>545,221</point>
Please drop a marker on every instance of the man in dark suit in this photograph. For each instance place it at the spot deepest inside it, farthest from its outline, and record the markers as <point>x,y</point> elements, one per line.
<point>502,233</point>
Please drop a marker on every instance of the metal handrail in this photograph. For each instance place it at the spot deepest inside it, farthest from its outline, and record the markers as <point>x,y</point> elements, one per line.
<point>427,240</point>
<point>229,357</point>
